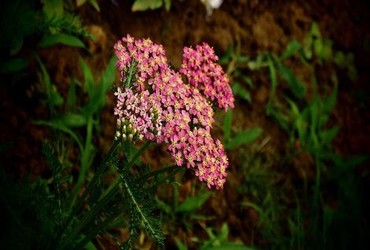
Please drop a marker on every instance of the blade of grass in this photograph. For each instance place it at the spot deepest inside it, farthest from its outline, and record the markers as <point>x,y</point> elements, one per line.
<point>244,137</point>
<point>69,40</point>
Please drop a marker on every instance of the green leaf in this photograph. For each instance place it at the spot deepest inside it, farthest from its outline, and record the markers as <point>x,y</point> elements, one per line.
<point>88,77</point>
<point>241,74</point>
<point>274,84</point>
<point>220,241</point>
<point>315,111</point>
<point>282,118</point>
<point>72,120</point>
<point>18,19</point>
<point>94,4</point>
<point>328,135</point>
<point>340,59</point>
<point>45,77</point>
<point>330,101</point>
<point>142,5</point>
<point>225,59</point>
<point>244,137</point>
<point>60,126</point>
<point>241,92</point>
<point>227,124</point>
<point>292,81</point>
<point>242,59</point>
<point>258,63</point>
<point>109,76</point>
<point>97,98</point>
<point>50,40</point>
<point>299,123</point>
<point>52,94</point>
<point>13,65</point>
<point>167,4</point>
<point>314,124</point>
<point>53,8</point>
<point>307,47</point>
<point>315,30</point>
<point>55,98</point>
<point>292,48</point>
<point>90,246</point>
<point>52,160</point>
<point>247,80</point>
<point>191,204</point>
<point>163,206</point>
<point>323,49</point>
<point>224,232</point>
<point>80,2</point>
<point>179,244</point>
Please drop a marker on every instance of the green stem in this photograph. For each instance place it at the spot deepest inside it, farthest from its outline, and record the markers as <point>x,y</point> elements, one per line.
<point>138,154</point>
<point>316,202</point>
<point>274,83</point>
<point>85,158</point>
<point>91,185</point>
<point>91,214</point>
<point>131,74</point>
<point>160,171</point>
<point>89,217</point>
<point>98,228</point>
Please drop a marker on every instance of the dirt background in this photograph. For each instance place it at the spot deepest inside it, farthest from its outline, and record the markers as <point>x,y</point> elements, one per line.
<point>257,25</point>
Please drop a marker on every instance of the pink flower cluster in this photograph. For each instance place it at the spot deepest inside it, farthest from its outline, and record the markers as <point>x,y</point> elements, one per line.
<point>150,60</point>
<point>137,116</point>
<point>159,106</point>
<point>200,67</point>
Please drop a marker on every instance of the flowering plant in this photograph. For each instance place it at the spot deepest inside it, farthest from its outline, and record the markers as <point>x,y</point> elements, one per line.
<point>161,105</point>
<point>155,104</point>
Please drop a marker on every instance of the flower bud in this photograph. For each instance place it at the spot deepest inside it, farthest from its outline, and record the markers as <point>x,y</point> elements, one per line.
<point>130,137</point>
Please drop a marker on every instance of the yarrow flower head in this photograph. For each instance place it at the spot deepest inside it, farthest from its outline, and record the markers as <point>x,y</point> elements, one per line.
<point>156,104</point>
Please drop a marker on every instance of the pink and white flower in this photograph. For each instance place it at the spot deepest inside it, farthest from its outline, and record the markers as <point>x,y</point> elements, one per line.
<point>161,107</point>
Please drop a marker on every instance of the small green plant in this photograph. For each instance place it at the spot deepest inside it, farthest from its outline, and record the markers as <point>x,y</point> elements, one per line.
<point>86,117</point>
<point>30,25</point>
<point>216,240</point>
<point>174,212</point>
<point>235,140</point>
<point>236,66</point>
<point>303,110</point>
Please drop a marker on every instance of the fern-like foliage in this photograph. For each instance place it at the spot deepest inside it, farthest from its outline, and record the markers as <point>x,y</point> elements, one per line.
<point>66,23</point>
<point>140,201</point>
